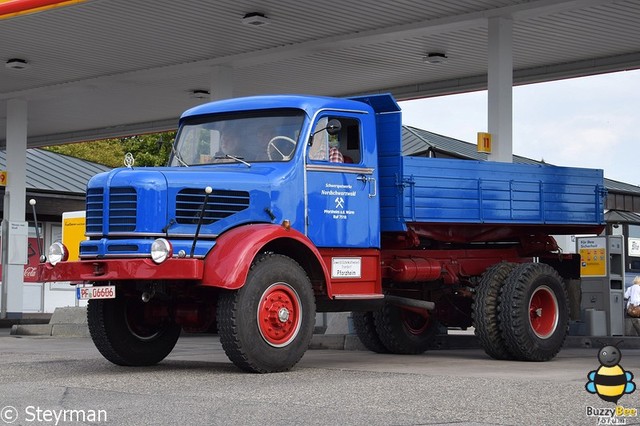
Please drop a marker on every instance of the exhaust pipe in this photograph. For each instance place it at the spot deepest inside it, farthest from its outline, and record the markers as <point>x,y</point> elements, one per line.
<point>413,303</point>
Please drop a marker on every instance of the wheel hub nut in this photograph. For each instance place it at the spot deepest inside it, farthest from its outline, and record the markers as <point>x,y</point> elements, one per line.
<point>538,312</point>
<point>283,315</point>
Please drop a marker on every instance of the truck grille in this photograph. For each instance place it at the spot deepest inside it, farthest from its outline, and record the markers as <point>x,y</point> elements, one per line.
<point>122,210</point>
<point>221,204</point>
<point>123,203</point>
<point>95,201</point>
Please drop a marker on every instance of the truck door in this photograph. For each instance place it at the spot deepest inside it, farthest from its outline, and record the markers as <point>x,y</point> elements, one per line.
<point>342,199</point>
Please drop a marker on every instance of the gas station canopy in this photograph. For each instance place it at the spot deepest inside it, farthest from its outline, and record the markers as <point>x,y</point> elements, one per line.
<point>104,68</point>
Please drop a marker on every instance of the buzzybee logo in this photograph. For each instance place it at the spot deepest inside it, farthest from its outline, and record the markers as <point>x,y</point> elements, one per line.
<point>610,381</point>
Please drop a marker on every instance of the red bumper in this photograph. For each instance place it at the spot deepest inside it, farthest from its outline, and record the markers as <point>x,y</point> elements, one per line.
<point>122,269</point>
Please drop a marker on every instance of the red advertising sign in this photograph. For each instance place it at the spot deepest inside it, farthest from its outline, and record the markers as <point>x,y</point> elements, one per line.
<point>30,268</point>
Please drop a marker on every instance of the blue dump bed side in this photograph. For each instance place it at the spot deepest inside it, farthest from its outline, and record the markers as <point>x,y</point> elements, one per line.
<point>433,190</point>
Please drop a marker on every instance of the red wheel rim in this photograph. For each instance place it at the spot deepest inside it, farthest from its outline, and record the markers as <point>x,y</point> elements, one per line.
<point>543,312</point>
<point>415,321</point>
<point>279,315</point>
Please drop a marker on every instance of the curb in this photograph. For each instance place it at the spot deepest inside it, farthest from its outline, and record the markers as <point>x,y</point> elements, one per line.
<point>65,322</point>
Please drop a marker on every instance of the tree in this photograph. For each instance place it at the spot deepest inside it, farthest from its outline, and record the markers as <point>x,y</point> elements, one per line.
<point>148,150</point>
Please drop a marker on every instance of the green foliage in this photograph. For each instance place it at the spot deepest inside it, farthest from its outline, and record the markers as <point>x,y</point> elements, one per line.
<point>108,152</point>
<point>148,150</point>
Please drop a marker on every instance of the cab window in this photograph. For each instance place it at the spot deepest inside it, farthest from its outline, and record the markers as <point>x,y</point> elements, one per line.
<point>341,147</point>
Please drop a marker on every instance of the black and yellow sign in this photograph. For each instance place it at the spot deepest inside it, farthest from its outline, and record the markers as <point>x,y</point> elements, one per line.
<point>593,256</point>
<point>484,142</point>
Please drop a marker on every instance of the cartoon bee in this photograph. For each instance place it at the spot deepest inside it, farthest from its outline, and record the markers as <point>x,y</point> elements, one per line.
<point>610,381</point>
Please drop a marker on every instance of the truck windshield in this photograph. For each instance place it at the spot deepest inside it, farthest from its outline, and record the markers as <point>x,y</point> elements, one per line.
<point>250,137</point>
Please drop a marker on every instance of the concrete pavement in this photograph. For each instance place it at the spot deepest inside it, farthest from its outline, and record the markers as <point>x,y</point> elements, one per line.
<point>197,384</point>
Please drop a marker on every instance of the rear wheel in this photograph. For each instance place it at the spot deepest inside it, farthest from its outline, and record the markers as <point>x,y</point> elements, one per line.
<point>534,312</point>
<point>129,332</point>
<point>365,327</point>
<point>266,326</point>
<point>485,311</point>
<point>404,330</point>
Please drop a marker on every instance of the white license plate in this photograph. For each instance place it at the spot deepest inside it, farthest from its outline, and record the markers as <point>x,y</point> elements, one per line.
<point>103,292</point>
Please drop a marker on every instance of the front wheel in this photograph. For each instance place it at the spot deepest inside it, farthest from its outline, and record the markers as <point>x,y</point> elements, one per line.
<point>126,333</point>
<point>266,326</point>
<point>534,312</point>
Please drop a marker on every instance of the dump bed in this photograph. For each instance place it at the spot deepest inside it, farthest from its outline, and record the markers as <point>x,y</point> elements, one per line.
<point>526,198</point>
<point>434,190</point>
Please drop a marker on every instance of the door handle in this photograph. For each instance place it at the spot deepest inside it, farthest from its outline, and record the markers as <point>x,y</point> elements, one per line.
<point>372,183</point>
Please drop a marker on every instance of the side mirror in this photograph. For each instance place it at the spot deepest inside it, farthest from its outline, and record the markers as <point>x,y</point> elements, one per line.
<point>334,126</point>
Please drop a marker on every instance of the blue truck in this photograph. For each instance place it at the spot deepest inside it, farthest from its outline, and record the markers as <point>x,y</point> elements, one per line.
<point>274,208</point>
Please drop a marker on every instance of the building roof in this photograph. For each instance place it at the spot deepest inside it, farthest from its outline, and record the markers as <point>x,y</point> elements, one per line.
<point>622,187</point>
<point>422,142</point>
<point>618,216</point>
<point>52,172</point>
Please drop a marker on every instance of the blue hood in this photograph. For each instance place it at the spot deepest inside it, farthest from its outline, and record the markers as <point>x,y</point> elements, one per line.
<point>159,201</point>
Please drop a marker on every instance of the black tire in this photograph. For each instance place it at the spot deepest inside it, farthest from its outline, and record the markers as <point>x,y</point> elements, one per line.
<point>404,331</point>
<point>365,327</point>
<point>122,336</point>
<point>266,326</point>
<point>534,312</point>
<point>485,311</point>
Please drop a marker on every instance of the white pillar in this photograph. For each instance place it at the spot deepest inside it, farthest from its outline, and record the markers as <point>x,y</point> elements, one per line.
<point>14,204</point>
<point>500,86</point>
<point>221,82</point>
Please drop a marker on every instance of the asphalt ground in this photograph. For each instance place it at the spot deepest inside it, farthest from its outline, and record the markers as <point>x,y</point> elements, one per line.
<point>44,379</point>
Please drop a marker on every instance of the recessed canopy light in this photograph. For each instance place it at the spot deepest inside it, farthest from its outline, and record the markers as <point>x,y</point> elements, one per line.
<point>17,64</point>
<point>199,94</point>
<point>435,58</point>
<point>255,19</point>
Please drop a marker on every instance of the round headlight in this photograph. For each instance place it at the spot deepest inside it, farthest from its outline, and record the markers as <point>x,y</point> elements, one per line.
<point>58,253</point>
<point>161,250</point>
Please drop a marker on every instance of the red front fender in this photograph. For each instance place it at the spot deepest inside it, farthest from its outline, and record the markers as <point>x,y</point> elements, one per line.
<point>228,263</point>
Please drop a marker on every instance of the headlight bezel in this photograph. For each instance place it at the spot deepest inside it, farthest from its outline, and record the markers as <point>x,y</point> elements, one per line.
<point>161,250</point>
<point>57,253</point>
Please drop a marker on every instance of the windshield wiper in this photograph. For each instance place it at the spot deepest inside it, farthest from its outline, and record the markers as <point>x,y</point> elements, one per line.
<point>177,156</point>
<point>233,157</point>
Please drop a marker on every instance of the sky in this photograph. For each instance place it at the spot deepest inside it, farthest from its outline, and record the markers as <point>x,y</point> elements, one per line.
<point>591,122</point>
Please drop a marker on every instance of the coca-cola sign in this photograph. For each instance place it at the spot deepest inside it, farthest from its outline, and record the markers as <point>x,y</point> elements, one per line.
<point>30,273</point>
<point>31,268</point>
